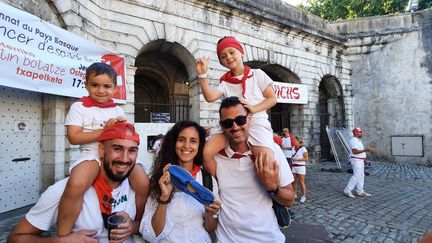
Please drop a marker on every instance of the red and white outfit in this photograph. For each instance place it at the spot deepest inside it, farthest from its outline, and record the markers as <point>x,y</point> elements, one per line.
<point>90,118</point>
<point>357,162</point>
<point>246,213</point>
<point>299,167</point>
<point>260,131</point>
<point>44,214</point>
<point>288,142</point>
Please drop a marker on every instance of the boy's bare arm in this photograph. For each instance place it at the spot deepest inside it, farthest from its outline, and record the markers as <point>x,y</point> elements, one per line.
<point>76,135</point>
<point>210,94</point>
<point>266,104</point>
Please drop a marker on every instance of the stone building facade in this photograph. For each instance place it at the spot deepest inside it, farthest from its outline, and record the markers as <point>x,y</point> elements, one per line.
<point>374,73</point>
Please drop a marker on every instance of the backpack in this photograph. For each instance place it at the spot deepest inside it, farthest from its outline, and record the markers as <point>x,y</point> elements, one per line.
<point>207,180</point>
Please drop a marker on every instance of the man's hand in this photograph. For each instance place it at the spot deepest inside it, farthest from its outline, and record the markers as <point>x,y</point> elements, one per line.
<point>124,230</point>
<point>267,172</point>
<point>82,236</point>
<point>212,210</point>
<point>369,149</point>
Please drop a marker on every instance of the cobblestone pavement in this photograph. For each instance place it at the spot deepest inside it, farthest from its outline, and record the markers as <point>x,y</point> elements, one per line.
<point>400,209</point>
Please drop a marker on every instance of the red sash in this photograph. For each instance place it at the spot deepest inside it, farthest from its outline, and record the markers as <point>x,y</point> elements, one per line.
<point>227,77</point>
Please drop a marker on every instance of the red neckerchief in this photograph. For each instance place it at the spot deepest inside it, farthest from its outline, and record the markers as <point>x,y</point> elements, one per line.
<point>227,77</point>
<point>195,170</point>
<point>89,102</point>
<point>235,155</point>
<point>103,191</point>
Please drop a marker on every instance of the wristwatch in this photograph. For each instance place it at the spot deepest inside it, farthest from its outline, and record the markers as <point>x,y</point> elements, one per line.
<point>274,192</point>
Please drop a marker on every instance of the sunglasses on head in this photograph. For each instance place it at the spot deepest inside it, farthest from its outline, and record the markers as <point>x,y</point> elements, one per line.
<point>228,123</point>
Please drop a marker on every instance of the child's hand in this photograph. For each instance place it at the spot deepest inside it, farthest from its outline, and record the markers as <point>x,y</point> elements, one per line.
<point>113,121</point>
<point>202,65</point>
<point>248,105</point>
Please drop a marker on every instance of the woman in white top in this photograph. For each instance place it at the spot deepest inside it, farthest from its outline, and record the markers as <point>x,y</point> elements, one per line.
<point>171,215</point>
<point>299,167</point>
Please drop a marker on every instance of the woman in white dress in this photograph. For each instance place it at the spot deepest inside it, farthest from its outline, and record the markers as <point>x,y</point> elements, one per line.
<point>171,215</point>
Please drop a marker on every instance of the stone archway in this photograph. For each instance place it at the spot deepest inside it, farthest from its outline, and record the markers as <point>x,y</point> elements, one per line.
<point>331,110</point>
<point>162,80</point>
<point>281,115</point>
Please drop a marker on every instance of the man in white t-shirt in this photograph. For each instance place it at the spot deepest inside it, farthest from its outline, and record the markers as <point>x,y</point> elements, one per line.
<point>157,144</point>
<point>358,156</point>
<point>109,194</point>
<point>287,145</point>
<point>247,185</point>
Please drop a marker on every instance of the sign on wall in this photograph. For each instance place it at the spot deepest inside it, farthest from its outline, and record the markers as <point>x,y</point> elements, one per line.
<point>38,56</point>
<point>290,93</point>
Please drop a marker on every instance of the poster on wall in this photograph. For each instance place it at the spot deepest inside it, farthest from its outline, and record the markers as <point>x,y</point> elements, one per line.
<point>291,93</point>
<point>41,57</point>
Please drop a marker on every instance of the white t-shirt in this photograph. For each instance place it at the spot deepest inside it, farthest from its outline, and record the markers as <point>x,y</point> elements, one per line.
<point>255,87</point>
<point>246,213</point>
<point>260,131</point>
<point>299,155</point>
<point>44,214</point>
<point>184,218</point>
<point>157,146</point>
<point>356,143</point>
<point>90,119</point>
<point>286,142</point>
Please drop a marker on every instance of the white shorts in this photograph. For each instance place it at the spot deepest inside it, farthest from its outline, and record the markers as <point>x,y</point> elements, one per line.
<point>301,170</point>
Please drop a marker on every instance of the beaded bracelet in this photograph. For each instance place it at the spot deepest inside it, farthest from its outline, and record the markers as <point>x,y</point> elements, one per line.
<point>158,200</point>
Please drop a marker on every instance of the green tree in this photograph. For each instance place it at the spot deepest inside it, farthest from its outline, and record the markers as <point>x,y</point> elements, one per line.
<point>424,4</point>
<point>349,9</point>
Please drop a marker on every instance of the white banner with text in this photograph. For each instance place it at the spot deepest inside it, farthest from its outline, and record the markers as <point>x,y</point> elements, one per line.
<point>291,93</point>
<point>38,56</point>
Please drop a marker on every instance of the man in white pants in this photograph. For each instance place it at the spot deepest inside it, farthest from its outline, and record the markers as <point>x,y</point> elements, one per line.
<point>358,156</point>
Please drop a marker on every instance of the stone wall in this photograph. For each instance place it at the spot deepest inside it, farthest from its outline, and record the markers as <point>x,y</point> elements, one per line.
<point>382,65</point>
<point>391,78</point>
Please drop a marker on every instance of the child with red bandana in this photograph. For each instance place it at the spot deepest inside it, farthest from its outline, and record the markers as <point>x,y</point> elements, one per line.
<point>255,90</point>
<point>85,121</point>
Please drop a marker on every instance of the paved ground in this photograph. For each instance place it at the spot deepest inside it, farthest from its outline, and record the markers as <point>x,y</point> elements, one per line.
<point>399,211</point>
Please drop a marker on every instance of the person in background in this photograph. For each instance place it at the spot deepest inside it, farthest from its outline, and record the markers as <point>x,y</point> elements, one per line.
<point>358,156</point>
<point>287,144</point>
<point>172,215</point>
<point>208,133</point>
<point>157,144</point>
<point>299,159</point>
<point>277,139</point>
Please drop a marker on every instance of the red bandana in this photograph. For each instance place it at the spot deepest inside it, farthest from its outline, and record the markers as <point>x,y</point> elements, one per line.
<point>235,155</point>
<point>227,77</point>
<point>89,102</point>
<point>195,170</point>
<point>103,191</point>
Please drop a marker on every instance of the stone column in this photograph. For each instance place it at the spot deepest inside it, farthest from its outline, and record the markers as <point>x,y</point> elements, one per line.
<point>53,139</point>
